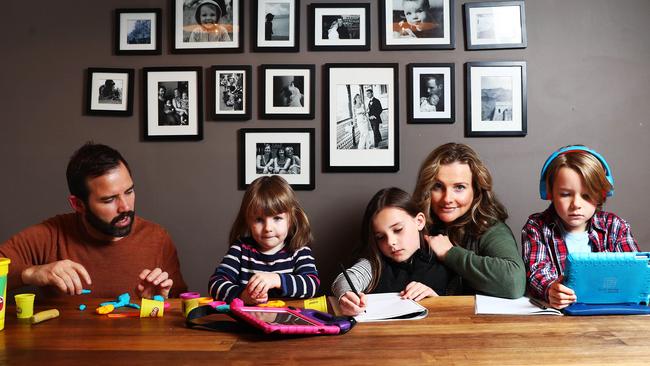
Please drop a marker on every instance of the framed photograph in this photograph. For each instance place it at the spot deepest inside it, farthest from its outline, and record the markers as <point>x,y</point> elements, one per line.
<point>287,91</point>
<point>496,99</point>
<point>360,124</point>
<point>109,92</point>
<point>288,152</point>
<point>207,26</point>
<point>417,24</point>
<point>173,103</point>
<point>339,27</point>
<point>231,92</point>
<point>494,25</point>
<point>430,93</point>
<point>138,31</point>
<point>275,24</point>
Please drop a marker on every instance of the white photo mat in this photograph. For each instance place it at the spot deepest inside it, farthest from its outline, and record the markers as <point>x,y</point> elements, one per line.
<point>155,77</point>
<point>269,92</point>
<point>318,26</point>
<point>178,30</point>
<point>261,20</point>
<point>250,159</point>
<point>125,19</point>
<point>417,72</point>
<point>392,41</point>
<point>98,79</point>
<point>514,74</point>
<point>506,25</point>
<point>217,94</point>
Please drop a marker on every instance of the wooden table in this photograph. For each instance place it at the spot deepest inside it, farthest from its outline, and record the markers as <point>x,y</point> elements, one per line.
<point>451,334</point>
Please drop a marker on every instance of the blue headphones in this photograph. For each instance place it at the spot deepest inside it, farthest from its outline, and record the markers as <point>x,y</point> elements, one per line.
<point>542,181</point>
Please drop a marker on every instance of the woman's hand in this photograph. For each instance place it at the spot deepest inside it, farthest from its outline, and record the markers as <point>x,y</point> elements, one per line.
<point>417,291</point>
<point>439,244</point>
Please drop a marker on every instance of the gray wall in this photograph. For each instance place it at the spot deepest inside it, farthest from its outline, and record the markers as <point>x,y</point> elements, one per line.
<point>588,82</point>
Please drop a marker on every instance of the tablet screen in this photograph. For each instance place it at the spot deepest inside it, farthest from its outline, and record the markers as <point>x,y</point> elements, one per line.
<point>275,317</point>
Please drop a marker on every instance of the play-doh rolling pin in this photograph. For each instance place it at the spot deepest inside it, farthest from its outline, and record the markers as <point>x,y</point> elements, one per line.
<point>44,315</point>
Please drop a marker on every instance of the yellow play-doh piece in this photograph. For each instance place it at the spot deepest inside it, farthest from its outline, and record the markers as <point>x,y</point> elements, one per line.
<point>273,304</point>
<point>105,309</point>
<point>44,315</point>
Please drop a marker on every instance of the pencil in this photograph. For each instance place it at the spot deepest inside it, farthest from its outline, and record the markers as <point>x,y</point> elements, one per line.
<point>347,278</point>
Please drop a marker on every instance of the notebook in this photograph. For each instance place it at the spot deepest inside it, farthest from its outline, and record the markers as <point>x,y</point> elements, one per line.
<point>386,307</point>
<point>490,305</point>
<point>609,278</point>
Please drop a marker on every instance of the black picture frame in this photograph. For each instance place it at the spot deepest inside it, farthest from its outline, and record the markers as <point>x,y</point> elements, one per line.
<point>352,143</point>
<point>436,33</point>
<point>495,99</point>
<point>425,105</point>
<point>231,92</point>
<point>187,36</point>
<point>260,10</point>
<point>300,174</point>
<point>162,119</point>
<point>480,32</point>
<point>109,91</point>
<point>138,31</point>
<point>353,27</point>
<point>287,91</point>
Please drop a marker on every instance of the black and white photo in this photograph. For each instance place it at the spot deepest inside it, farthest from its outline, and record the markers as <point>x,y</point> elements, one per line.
<point>232,92</point>
<point>275,24</point>
<point>207,26</point>
<point>339,27</point>
<point>138,31</point>
<point>173,103</point>
<point>496,99</point>
<point>287,91</point>
<point>417,24</point>
<point>430,93</point>
<point>361,128</point>
<point>288,152</point>
<point>495,25</point>
<point>109,92</point>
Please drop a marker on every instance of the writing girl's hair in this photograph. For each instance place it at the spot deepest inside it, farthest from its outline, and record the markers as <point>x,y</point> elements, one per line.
<point>589,168</point>
<point>485,209</point>
<point>385,198</point>
<point>269,196</point>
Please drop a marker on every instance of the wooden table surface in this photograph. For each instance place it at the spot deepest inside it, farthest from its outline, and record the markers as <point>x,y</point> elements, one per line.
<point>451,334</point>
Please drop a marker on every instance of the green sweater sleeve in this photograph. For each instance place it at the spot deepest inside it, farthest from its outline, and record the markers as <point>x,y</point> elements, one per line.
<point>496,269</point>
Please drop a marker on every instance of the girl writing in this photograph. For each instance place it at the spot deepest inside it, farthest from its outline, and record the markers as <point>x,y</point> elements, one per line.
<point>468,233</point>
<point>395,257</point>
<point>269,255</point>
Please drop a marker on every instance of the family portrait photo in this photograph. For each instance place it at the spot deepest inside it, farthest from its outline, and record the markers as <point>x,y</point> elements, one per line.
<point>417,24</point>
<point>207,25</point>
<point>288,152</point>
<point>361,133</point>
<point>430,93</point>
<point>173,103</point>
<point>109,91</point>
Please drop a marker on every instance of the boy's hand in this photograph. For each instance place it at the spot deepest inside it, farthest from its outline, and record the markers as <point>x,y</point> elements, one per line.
<point>417,291</point>
<point>560,296</point>
<point>65,275</point>
<point>351,304</point>
<point>153,282</point>
<point>439,244</point>
<point>261,282</point>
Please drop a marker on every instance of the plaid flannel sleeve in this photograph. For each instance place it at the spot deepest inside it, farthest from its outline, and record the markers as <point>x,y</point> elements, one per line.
<point>623,239</point>
<point>540,270</point>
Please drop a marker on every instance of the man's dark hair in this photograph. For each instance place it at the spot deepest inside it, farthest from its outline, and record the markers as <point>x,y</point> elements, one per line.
<point>90,161</point>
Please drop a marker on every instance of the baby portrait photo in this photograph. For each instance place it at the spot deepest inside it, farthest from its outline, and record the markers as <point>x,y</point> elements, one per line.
<point>430,93</point>
<point>417,24</point>
<point>207,25</point>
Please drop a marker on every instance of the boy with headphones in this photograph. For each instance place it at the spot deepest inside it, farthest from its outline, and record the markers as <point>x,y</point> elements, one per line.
<point>577,181</point>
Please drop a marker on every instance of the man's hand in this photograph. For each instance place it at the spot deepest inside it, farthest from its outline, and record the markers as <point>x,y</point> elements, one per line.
<point>153,282</point>
<point>65,275</point>
<point>261,282</point>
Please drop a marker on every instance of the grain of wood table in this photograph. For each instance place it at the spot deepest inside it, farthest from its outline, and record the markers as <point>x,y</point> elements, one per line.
<point>451,334</point>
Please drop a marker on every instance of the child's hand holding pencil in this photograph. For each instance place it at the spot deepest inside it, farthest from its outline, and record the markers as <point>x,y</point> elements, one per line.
<point>352,304</point>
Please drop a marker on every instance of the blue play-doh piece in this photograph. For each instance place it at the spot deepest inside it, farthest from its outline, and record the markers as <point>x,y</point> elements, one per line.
<point>82,307</point>
<point>158,298</point>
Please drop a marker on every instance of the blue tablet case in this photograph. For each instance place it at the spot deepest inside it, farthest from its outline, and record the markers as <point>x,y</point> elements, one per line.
<point>609,283</point>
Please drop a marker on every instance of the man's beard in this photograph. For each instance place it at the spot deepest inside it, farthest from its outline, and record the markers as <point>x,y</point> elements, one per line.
<point>109,228</point>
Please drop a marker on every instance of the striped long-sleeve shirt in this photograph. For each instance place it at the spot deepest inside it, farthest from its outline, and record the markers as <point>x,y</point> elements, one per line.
<point>297,270</point>
<point>607,233</point>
